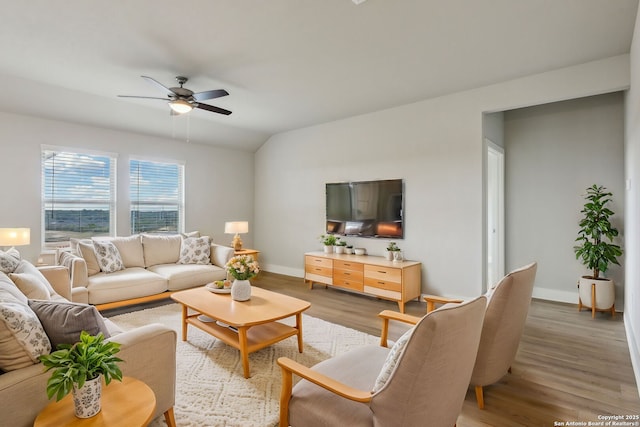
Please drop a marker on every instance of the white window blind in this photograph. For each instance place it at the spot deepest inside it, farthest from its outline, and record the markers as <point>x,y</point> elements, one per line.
<point>78,195</point>
<point>156,190</point>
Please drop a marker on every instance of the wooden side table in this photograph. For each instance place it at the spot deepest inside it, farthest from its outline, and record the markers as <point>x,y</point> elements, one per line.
<point>252,252</point>
<point>130,402</point>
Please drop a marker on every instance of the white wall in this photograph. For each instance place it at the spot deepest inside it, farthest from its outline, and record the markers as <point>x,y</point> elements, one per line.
<point>219,182</point>
<point>434,145</point>
<point>632,207</point>
<point>553,153</point>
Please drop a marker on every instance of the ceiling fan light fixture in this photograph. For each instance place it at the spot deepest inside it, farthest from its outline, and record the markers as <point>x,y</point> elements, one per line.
<point>180,106</point>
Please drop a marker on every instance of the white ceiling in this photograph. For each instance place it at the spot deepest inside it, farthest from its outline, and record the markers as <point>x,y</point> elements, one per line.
<point>286,63</point>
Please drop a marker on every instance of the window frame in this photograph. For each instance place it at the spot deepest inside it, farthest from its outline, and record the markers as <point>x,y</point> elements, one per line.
<point>112,188</point>
<point>180,202</point>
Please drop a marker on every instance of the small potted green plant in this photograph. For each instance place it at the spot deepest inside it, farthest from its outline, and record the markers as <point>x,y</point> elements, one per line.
<point>391,248</point>
<point>348,250</point>
<point>340,246</point>
<point>78,368</point>
<point>329,241</point>
<point>596,249</point>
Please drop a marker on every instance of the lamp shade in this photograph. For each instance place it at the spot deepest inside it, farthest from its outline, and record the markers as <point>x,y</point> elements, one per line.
<point>236,227</point>
<point>15,236</point>
<point>180,106</point>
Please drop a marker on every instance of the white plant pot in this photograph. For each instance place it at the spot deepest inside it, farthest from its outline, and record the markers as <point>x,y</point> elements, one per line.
<point>605,293</point>
<point>241,290</point>
<point>389,255</point>
<point>87,400</point>
<point>328,249</point>
<point>339,249</point>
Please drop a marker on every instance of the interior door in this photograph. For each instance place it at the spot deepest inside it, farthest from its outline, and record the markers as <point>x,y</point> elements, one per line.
<point>495,213</point>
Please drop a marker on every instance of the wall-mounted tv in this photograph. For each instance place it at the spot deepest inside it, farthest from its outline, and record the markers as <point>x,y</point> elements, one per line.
<point>366,208</point>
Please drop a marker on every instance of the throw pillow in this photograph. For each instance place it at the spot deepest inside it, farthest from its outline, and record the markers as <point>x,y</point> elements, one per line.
<point>9,291</point>
<point>88,252</point>
<point>26,267</point>
<point>31,285</point>
<point>22,338</point>
<point>191,234</point>
<point>9,260</point>
<point>130,249</point>
<point>108,256</point>
<point>195,250</point>
<point>392,360</point>
<point>74,245</point>
<point>63,321</point>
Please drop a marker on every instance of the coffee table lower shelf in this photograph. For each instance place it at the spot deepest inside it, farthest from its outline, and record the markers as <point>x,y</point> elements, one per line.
<point>258,336</point>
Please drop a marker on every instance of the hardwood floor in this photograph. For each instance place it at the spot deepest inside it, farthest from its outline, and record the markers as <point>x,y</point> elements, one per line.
<point>569,370</point>
<point>569,367</point>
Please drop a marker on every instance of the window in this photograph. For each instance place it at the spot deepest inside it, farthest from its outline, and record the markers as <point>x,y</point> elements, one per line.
<point>157,197</point>
<point>78,195</point>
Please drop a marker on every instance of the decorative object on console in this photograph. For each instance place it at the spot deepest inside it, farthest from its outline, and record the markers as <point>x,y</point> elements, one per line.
<point>15,237</point>
<point>237,227</point>
<point>595,253</point>
<point>339,247</point>
<point>73,370</point>
<point>329,241</point>
<point>360,251</point>
<point>392,248</point>
<point>242,268</point>
<point>348,250</point>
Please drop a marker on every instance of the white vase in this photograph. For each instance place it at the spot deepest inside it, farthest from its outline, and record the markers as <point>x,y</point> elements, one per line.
<point>389,255</point>
<point>241,290</point>
<point>328,249</point>
<point>87,399</point>
<point>339,249</point>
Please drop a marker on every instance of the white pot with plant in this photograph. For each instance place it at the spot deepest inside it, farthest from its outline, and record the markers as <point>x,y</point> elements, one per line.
<point>340,247</point>
<point>243,268</point>
<point>392,248</point>
<point>329,241</point>
<point>79,369</point>
<point>596,251</point>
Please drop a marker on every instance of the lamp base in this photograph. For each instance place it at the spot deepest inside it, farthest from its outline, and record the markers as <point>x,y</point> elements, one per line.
<point>237,243</point>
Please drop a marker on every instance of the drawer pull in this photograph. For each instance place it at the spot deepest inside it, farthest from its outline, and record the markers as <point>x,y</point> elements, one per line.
<point>382,272</point>
<point>318,269</point>
<point>347,274</point>
<point>348,265</point>
<point>381,283</point>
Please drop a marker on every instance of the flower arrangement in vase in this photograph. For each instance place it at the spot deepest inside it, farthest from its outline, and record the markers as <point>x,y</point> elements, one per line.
<point>242,268</point>
<point>392,248</point>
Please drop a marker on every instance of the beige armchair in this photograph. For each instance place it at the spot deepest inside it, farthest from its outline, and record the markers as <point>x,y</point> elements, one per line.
<point>426,386</point>
<point>504,322</point>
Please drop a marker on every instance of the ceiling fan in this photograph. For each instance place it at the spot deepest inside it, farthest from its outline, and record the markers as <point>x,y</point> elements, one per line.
<point>182,100</point>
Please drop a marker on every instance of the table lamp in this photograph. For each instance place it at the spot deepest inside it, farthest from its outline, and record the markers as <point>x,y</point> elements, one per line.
<point>237,227</point>
<point>10,237</point>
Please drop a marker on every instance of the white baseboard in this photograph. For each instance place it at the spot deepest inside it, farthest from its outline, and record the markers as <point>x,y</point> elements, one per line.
<point>555,295</point>
<point>279,269</point>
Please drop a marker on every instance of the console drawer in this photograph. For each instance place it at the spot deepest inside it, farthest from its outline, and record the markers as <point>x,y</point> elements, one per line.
<point>343,282</point>
<point>318,270</point>
<point>383,293</point>
<point>348,265</point>
<point>317,261</point>
<point>383,284</point>
<point>389,274</point>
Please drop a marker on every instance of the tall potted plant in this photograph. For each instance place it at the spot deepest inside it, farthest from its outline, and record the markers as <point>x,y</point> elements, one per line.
<point>79,368</point>
<point>596,249</point>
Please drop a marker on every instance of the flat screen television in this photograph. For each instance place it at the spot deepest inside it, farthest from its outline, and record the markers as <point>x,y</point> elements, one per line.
<point>366,208</point>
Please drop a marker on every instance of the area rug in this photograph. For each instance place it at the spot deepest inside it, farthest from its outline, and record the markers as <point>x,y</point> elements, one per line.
<point>211,389</point>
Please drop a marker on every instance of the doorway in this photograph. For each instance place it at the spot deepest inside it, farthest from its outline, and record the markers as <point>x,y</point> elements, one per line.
<point>495,214</point>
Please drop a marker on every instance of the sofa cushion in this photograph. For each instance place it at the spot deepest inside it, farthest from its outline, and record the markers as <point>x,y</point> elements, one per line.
<point>63,321</point>
<point>195,250</point>
<point>108,256</point>
<point>9,260</point>
<point>26,267</point>
<point>87,251</point>
<point>161,249</point>
<point>22,338</point>
<point>9,291</point>
<point>220,255</point>
<point>191,234</point>
<point>182,276</point>
<point>129,283</point>
<point>31,285</point>
<point>130,249</point>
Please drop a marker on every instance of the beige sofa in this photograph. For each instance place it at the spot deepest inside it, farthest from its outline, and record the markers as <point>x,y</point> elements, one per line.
<point>149,354</point>
<point>151,266</point>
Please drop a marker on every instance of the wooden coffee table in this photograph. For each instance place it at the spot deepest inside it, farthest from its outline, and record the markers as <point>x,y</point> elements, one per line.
<point>255,320</point>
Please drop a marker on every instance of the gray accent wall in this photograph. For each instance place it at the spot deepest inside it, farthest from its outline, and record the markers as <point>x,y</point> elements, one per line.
<point>553,152</point>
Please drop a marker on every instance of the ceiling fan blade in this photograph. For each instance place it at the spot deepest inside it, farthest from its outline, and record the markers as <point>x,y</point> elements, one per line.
<point>159,85</point>
<point>214,109</point>
<point>143,97</point>
<point>210,94</point>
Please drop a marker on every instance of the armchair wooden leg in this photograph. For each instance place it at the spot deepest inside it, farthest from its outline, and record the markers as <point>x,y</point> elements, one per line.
<point>384,333</point>
<point>479,397</point>
<point>285,396</point>
<point>168,418</point>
